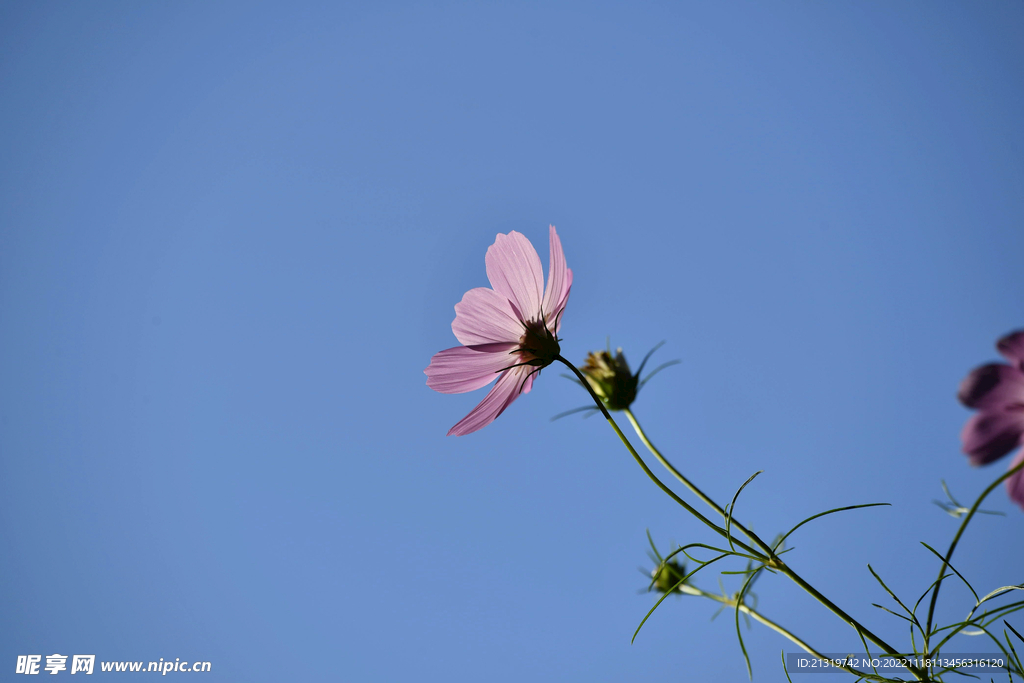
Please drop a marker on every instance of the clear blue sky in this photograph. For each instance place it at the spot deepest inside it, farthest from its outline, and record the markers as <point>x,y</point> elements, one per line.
<point>231,237</point>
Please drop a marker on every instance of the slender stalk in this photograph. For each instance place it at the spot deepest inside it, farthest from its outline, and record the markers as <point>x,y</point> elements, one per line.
<point>774,561</point>
<point>757,616</point>
<point>919,673</point>
<point>952,549</point>
<point>690,485</point>
<point>640,461</point>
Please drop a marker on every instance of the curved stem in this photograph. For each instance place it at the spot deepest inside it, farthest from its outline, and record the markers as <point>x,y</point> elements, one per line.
<point>690,485</point>
<point>952,549</point>
<point>775,562</point>
<point>757,616</point>
<point>640,461</point>
<point>920,674</point>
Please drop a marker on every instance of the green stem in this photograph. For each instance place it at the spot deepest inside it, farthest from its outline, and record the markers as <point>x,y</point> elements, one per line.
<point>952,548</point>
<point>919,673</point>
<point>757,616</point>
<point>640,461</point>
<point>690,485</point>
<point>775,562</point>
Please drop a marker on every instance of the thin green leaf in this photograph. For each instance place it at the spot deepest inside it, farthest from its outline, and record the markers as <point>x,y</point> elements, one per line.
<point>732,507</point>
<point>683,549</point>
<point>784,667</point>
<point>650,353</point>
<point>654,547</point>
<point>949,495</point>
<point>952,670</point>
<point>913,618</point>
<point>954,507</point>
<point>753,581</point>
<point>1019,636</point>
<point>1002,649</point>
<point>1006,635</point>
<point>950,510</point>
<point>867,651</point>
<point>572,412</point>
<point>655,371</point>
<point>999,591</point>
<point>739,603</point>
<point>946,563</point>
<point>1003,611</point>
<point>669,592</point>
<point>822,514</point>
<point>895,614</point>
<point>928,590</point>
<point>652,575</point>
<point>971,620</point>
<point>651,611</point>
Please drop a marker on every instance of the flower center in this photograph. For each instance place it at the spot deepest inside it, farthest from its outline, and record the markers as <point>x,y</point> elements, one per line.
<point>538,346</point>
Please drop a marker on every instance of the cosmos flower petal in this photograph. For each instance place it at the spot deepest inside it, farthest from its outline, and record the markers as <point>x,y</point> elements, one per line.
<point>465,368</point>
<point>991,434</point>
<point>514,270</point>
<point>507,330</point>
<point>485,317</point>
<point>1012,348</point>
<point>560,307</point>
<point>528,382</point>
<point>498,398</point>
<point>992,386</point>
<point>556,275</point>
<point>1015,484</point>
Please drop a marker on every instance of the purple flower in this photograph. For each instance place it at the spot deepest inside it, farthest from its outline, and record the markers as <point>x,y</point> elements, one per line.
<point>508,332</point>
<point>997,391</point>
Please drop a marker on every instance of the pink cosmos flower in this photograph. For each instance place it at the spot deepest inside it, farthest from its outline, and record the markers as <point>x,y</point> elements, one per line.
<point>508,332</point>
<point>997,391</point>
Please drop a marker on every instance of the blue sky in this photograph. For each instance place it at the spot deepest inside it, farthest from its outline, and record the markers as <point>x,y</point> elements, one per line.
<point>231,237</point>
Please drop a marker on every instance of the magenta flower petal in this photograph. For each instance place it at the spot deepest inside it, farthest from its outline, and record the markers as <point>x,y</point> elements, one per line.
<point>560,306</point>
<point>991,434</point>
<point>1015,484</point>
<point>465,368</point>
<point>1012,348</point>
<point>498,398</point>
<point>997,390</point>
<point>558,276</point>
<point>992,386</point>
<point>514,270</point>
<point>528,383</point>
<point>509,331</point>
<point>485,317</point>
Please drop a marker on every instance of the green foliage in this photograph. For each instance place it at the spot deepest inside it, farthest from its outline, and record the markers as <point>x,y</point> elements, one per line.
<point>670,577</point>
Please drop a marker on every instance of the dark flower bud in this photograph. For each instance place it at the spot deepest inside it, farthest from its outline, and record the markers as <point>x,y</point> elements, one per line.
<point>667,575</point>
<point>610,378</point>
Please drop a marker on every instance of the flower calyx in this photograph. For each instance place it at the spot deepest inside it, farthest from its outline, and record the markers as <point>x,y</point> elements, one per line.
<point>610,378</point>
